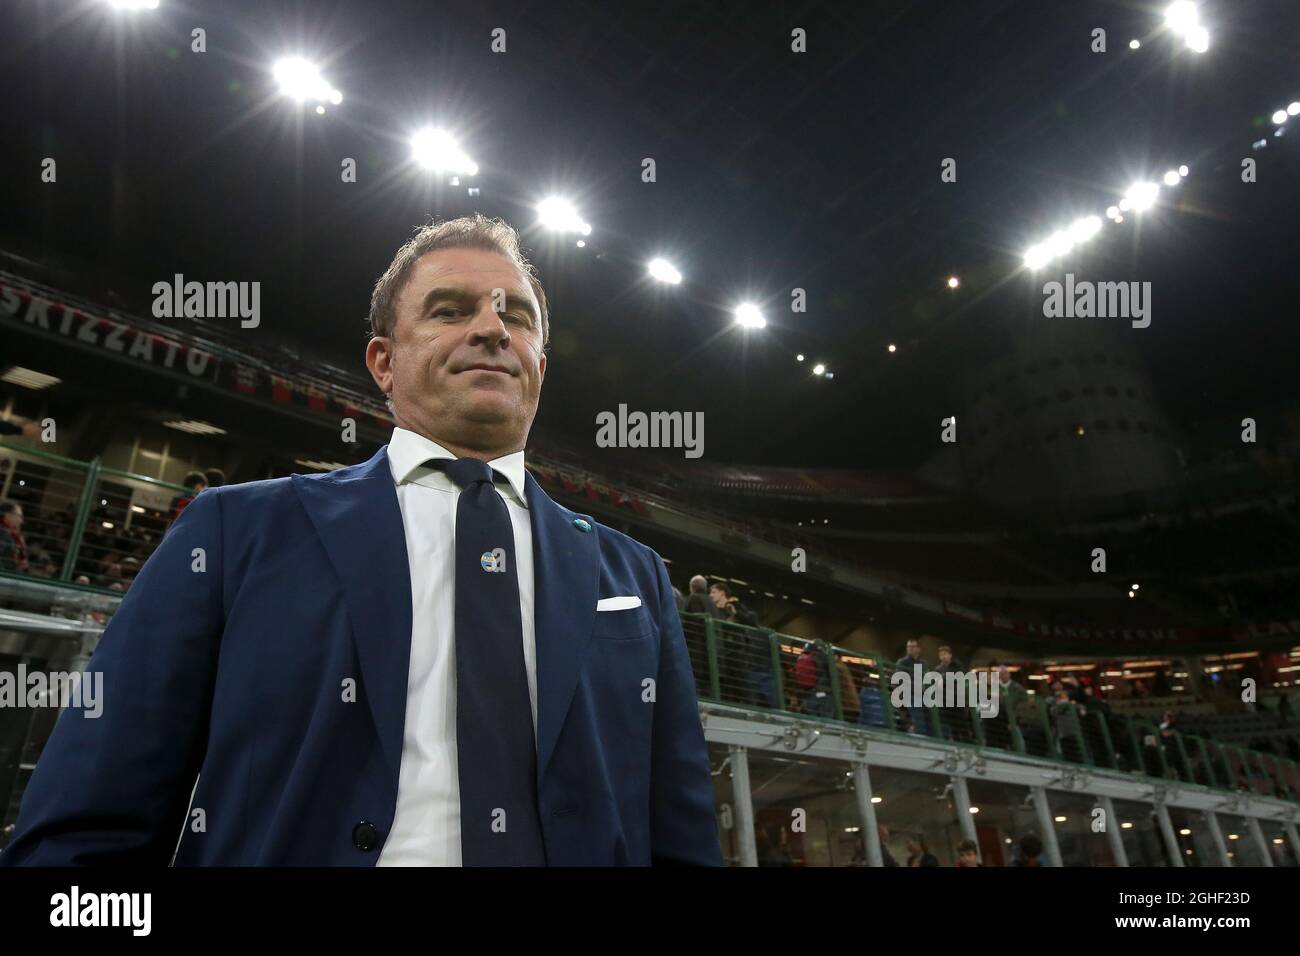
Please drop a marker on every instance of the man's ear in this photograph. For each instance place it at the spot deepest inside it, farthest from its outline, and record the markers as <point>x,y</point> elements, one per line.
<point>379,360</point>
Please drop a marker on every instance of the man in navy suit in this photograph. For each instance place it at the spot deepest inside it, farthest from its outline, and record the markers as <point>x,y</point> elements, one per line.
<point>418,660</point>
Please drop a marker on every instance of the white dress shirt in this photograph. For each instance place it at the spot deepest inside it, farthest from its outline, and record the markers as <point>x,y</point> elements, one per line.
<point>426,828</point>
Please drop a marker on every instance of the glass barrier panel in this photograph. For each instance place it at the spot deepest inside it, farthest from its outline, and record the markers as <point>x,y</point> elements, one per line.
<point>805,811</point>
<point>1140,833</point>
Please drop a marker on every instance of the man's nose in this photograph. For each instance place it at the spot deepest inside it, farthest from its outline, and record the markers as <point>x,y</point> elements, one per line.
<point>488,327</point>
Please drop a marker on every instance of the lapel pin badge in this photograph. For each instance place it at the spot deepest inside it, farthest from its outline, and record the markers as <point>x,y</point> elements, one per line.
<point>582,524</point>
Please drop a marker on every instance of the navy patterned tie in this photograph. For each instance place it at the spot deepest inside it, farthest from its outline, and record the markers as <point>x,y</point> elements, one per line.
<point>496,748</point>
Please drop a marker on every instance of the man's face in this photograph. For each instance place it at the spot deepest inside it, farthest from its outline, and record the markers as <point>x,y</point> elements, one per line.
<point>913,648</point>
<point>719,596</point>
<point>14,519</point>
<point>455,369</point>
<point>945,656</point>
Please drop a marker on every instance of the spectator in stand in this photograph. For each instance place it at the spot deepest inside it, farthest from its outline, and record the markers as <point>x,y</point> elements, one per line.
<point>913,657</point>
<point>919,722</point>
<point>812,674</point>
<point>1031,848</point>
<point>13,547</point>
<point>214,477</point>
<point>698,601</point>
<point>720,595</point>
<point>1167,727</point>
<point>1093,701</point>
<point>195,483</point>
<point>679,599</point>
<point>968,853</point>
<point>918,852</point>
<point>887,857</point>
<point>746,663</point>
<point>1065,725</point>
<point>956,723</point>
<point>42,565</point>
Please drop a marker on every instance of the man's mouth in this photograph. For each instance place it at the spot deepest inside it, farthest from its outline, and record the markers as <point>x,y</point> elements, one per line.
<point>484,367</point>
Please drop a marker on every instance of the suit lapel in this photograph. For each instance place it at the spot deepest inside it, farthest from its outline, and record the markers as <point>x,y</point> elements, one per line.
<point>356,514</point>
<point>566,579</point>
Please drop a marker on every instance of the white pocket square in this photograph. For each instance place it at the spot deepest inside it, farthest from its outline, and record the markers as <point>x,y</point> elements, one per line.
<point>618,603</point>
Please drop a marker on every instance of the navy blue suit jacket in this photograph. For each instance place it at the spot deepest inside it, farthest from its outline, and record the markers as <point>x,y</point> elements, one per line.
<point>236,674</point>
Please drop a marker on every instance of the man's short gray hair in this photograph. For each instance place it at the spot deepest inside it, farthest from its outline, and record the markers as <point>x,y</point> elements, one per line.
<point>468,232</point>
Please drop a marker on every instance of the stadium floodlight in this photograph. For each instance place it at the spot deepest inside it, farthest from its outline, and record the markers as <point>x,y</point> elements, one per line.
<point>662,270</point>
<point>1112,212</point>
<point>1181,16</point>
<point>1081,230</point>
<point>819,369</point>
<point>1280,117</point>
<point>748,316</point>
<point>1172,178</point>
<point>1142,196</point>
<point>1036,257</point>
<point>799,357</point>
<point>1293,109</point>
<point>301,80</point>
<point>1134,44</point>
<point>1183,171</point>
<point>1184,20</point>
<point>437,150</point>
<point>560,215</point>
<point>133,4</point>
<point>582,244</point>
<point>953,282</point>
<point>893,348</point>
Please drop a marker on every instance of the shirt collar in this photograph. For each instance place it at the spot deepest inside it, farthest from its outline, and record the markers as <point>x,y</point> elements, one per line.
<point>408,452</point>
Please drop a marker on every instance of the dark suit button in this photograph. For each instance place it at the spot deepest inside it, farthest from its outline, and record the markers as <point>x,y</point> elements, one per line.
<point>365,836</point>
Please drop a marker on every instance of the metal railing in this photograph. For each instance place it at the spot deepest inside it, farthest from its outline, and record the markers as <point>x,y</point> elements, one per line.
<point>91,528</point>
<point>759,669</point>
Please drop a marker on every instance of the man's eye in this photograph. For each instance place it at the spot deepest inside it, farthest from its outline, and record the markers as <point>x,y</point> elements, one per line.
<point>448,310</point>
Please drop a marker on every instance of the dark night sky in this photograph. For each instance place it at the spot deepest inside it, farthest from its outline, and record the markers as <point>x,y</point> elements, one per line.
<point>775,170</point>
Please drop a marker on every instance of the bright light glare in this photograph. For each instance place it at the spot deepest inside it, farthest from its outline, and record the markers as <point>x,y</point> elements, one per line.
<point>302,81</point>
<point>1134,44</point>
<point>953,282</point>
<point>1292,109</point>
<point>1081,230</point>
<point>1142,196</point>
<point>1198,39</point>
<point>1172,178</point>
<point>437,150</point>
<point>560,215</point>
<point>819,369</point>
<point>893,348</point>
<point>1181,16</point>
<point>134,4</point>
<point>748,316</point>
<point>1183,171</point>
<point>1279,117</point>
<point>1112,212</point>
<point>663,270</point>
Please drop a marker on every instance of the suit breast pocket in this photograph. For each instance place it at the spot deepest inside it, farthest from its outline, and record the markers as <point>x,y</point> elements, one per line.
<point>632,624</point>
